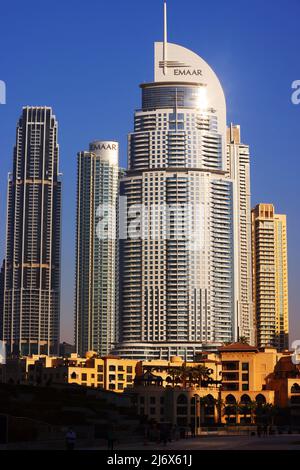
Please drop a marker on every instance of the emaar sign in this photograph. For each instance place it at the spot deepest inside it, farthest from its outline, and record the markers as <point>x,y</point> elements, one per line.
<point>2,92</point>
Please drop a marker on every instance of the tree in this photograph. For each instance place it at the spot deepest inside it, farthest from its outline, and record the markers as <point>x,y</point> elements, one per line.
<point>243,340</point>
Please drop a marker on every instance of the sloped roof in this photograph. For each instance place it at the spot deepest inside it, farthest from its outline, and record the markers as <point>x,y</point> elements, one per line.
<point>236,347</point>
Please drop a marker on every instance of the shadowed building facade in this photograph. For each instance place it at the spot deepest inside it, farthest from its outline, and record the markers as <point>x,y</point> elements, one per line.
<point>31,310</point>
<point>96,297</point>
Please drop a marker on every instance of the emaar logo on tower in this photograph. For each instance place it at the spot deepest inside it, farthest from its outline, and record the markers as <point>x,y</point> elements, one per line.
<point>2,92</point>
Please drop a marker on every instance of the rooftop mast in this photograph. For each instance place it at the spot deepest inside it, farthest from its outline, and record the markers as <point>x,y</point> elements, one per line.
<point>165,38</point>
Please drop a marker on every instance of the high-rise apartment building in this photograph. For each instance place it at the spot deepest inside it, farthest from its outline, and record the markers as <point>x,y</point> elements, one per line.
<point>270,276</point>
<point>239,172</point>
<point>31,310</point>
<point>178,286</point>
<point>96,298</point>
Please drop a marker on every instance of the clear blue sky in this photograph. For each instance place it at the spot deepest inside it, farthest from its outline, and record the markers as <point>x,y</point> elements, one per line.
<point>86,60</point>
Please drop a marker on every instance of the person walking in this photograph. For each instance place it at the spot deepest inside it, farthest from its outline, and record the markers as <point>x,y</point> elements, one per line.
<point>111,437</point>
<point>70,439</point>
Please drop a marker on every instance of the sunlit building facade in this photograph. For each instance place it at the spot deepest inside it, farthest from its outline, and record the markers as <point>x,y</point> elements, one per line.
<point>178,287</point>
<point>239,170</point>
<point>270,277</point>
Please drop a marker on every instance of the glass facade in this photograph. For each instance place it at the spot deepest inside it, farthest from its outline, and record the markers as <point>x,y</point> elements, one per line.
<point>96,308</point>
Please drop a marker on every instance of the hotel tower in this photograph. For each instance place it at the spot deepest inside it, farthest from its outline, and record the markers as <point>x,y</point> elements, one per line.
<point>270,277</point>
<point>239,171</point>
<point>180,286</point>
<point>96,298</point>
<point>31,310</point>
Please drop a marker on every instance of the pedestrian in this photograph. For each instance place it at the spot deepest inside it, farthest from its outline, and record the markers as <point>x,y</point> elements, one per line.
<point>111,437</point>
<point>70,439</point>
<point>193,430</point>
<point>265,430</point>
<point>258,431</point>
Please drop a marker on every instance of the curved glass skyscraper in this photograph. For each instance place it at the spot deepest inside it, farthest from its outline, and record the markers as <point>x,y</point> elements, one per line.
<point>178,287</point>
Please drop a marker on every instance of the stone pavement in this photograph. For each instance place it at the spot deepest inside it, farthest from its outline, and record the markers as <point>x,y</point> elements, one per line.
<point>277,442</point>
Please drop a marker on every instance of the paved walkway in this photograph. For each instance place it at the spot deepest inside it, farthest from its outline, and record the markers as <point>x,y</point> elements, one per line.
<point>278,442</point>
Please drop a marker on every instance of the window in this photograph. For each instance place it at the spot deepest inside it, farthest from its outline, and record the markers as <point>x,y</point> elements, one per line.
<point>245,366</point>
<point>129,378</point>
<point>100,368</point>
<point>84,377</point>
<point>120,387</point>
<point>112,368</point>
<point>120,377</point>
<point>245,386</point>
<point>129,369</point>
<point>152,400</point>
<point>112,377</point>
<point>245,377</point>
<point>112,386</point>
<point>100,378</point>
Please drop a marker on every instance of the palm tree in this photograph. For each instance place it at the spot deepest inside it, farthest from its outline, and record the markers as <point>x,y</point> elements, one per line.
<point>200,374</point>
<point>243,340</point>
<point>185,375</point>
<point>173,375</point>
<point>271,412</point>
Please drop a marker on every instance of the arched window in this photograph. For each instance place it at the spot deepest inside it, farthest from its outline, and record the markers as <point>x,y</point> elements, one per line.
<point>182,405</point>
<point>245,399</point>
<point>230,400</point>
<point>260,399</point>
<point>295,388</point>
<point>209,399</point>
<point>194,399</point>
<point>73,375</point>
<point>182,400</point>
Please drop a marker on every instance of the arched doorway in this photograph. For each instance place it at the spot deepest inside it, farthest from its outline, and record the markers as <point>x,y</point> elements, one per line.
<point>182,410</point>
<point>230,410</point>
<point>245,409</point>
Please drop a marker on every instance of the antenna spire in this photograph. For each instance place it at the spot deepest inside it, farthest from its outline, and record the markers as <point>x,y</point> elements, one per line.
<point>165,37</point>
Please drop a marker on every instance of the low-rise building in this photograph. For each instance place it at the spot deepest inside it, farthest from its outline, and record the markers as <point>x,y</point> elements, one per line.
<point>238,385</point>
<point>109,373</point>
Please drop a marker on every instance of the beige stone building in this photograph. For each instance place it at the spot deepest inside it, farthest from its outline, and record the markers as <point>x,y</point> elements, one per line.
<point>108,373</point>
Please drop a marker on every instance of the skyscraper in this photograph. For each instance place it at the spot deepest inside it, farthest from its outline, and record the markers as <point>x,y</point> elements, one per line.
<point>96,302</point>
<point>239,171</point>
<point>270,276</point>
<point>178,288</point>
<point>31,311</point>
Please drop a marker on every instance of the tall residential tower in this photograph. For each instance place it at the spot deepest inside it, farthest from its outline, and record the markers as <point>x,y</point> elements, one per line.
<point>270,277</point>
<point>96,302</point>
<point>178,290</point>
<point>31,311</point>
<point>239,171</point>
